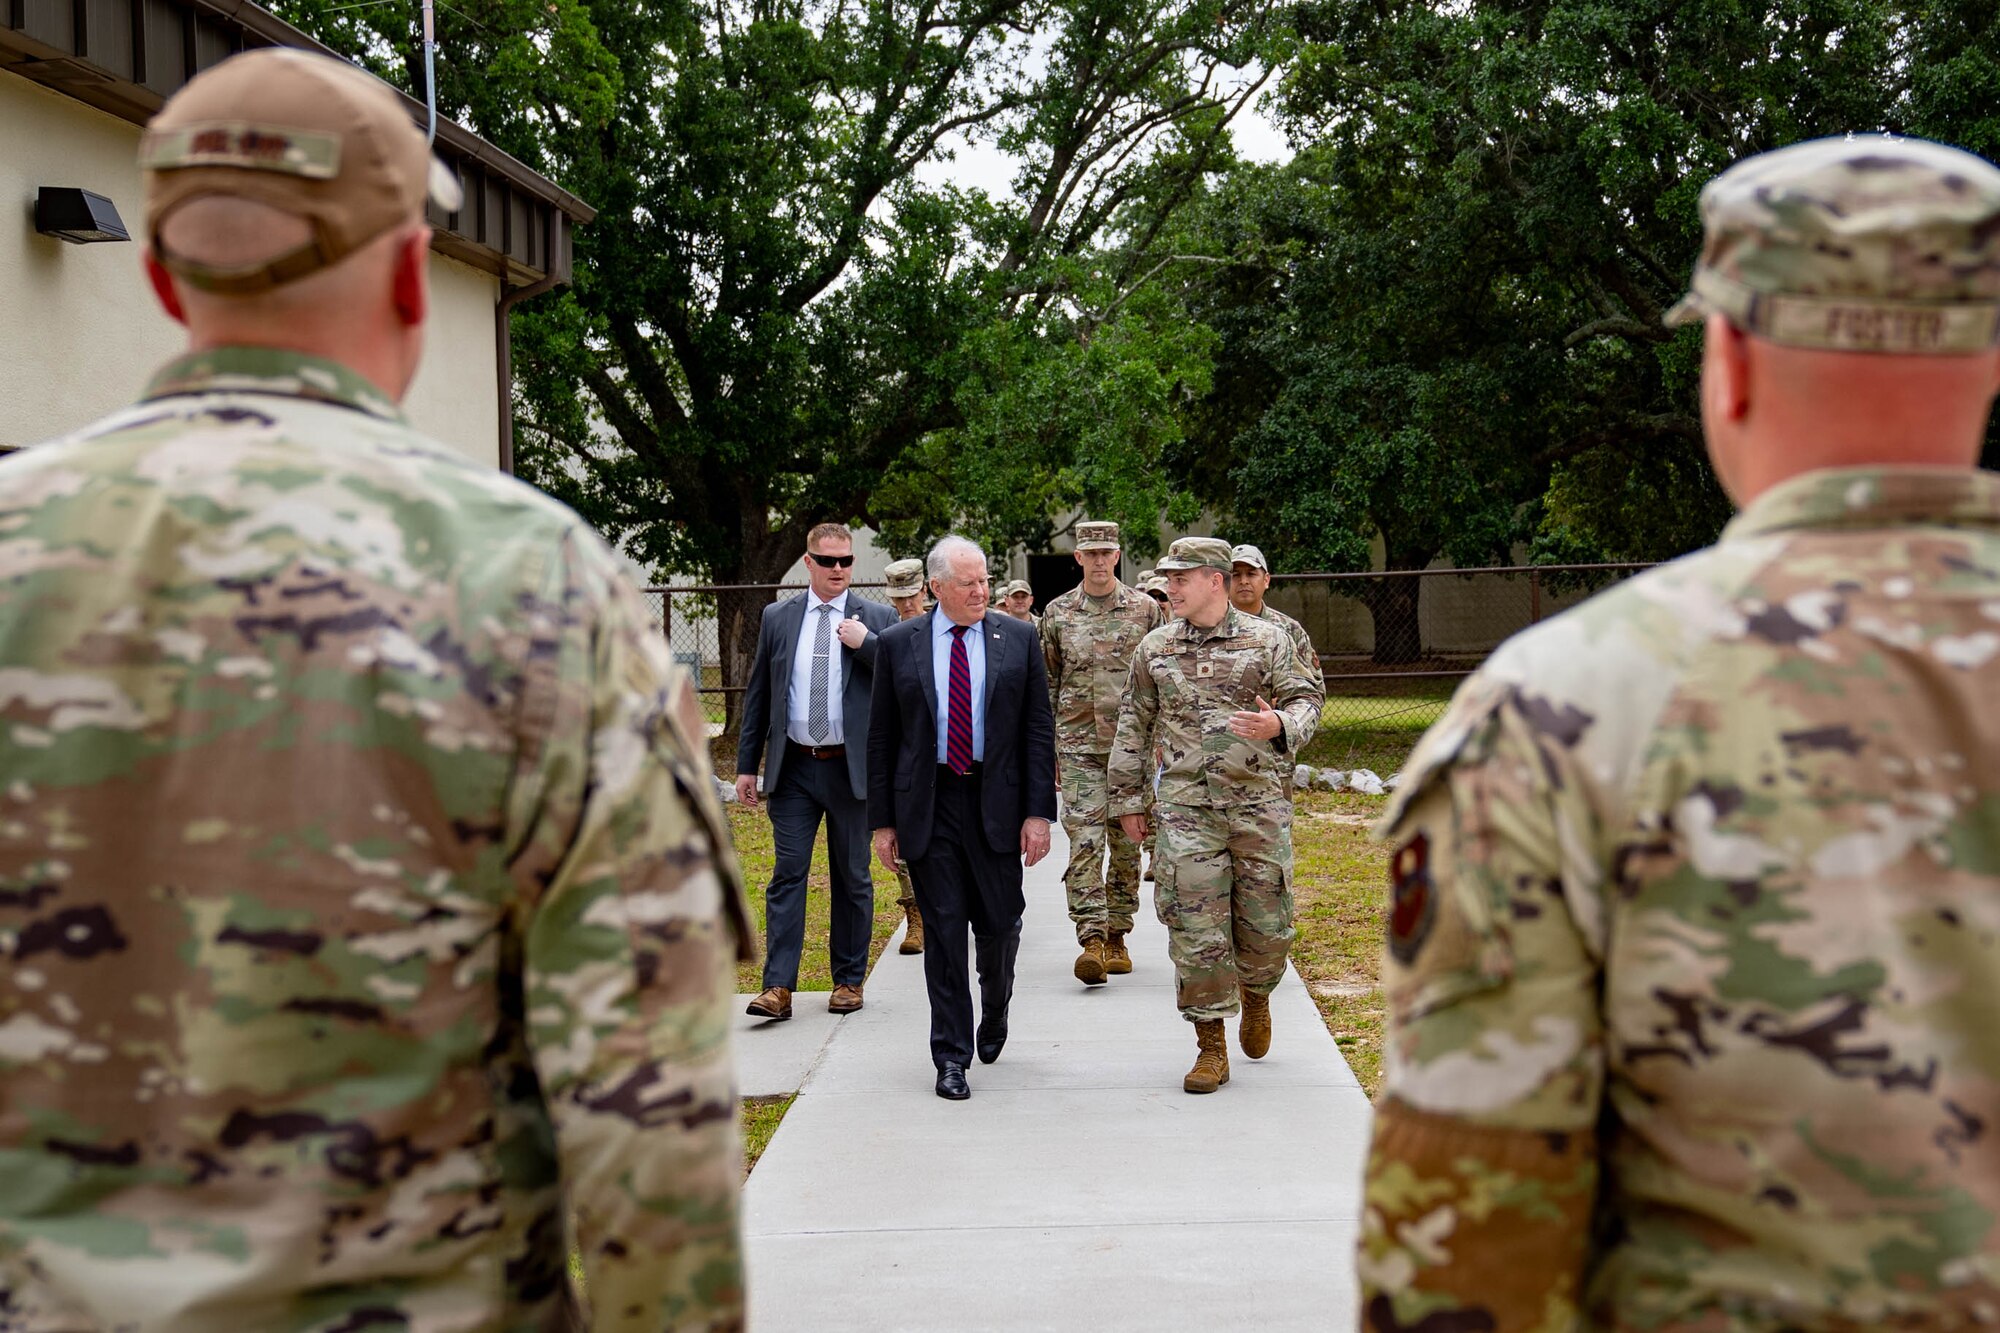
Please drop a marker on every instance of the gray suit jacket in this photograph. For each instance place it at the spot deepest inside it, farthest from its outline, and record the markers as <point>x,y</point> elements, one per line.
<point>768,692</point>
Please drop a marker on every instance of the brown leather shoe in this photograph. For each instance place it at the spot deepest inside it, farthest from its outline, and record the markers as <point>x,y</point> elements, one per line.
<point>913,938</point>
<point>775,1002</point>
<point>846,999</point>
<point>1117,958</point>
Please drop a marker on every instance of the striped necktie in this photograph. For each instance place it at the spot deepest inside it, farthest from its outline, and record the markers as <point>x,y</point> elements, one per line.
<point>817,720</point>
<point>958,728</point>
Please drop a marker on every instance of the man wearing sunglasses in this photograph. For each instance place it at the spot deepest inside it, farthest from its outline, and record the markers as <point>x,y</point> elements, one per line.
<point>805,714</point>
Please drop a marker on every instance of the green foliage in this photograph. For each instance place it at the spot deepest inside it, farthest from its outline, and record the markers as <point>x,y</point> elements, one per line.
<point>781,317</point>
<point>529,75</point>
<point>1449,339</point>
<point>1060,416</point>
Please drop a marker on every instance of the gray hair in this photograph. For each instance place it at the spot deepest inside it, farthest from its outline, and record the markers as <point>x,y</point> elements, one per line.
<point>937,564</point>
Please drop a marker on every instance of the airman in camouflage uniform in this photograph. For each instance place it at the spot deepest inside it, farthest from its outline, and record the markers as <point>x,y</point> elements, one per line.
<point>1089,635</point>
<point>1693,986</point>
<point>1249,580</point>
<point>1222,697</point>
<point>905,585</point>
<point>368,918</point>
<point>1017,599</point>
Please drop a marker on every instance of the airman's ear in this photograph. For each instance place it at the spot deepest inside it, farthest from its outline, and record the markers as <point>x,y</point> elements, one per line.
<point>164,290</point>
<point>412,292</point>
<point>1729,362</point>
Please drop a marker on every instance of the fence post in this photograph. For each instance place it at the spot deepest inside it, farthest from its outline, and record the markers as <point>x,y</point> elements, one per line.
<point>1534,597</point>
<point>667,620</point>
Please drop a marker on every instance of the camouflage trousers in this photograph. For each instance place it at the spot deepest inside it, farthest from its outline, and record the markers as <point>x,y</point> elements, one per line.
<point>908,896</point>
<point>1223,889</point>
<point>1100,899</point>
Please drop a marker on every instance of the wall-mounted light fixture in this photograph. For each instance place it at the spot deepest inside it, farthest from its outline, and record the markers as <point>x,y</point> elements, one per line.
<point>77,216</point>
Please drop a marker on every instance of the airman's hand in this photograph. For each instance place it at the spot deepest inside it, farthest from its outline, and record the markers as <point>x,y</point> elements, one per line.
<point>1262,725</point>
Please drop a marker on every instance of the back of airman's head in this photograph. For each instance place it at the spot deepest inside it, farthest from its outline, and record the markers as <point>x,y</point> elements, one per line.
<point>1861,244</point>
<point>277,164</point>
<point>1851,293</point>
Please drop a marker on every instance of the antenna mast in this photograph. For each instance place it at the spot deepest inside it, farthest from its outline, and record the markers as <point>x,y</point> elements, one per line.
<point>430,70</point>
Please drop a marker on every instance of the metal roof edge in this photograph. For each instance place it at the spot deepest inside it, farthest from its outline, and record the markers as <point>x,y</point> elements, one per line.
<point>262,27</point>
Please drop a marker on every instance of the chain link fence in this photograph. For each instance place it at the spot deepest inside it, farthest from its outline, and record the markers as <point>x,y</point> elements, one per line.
<point>711,629</point>
<point>1393,646</point>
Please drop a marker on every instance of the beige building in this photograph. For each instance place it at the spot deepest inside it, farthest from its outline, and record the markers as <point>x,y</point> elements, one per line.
<point>79,330</point>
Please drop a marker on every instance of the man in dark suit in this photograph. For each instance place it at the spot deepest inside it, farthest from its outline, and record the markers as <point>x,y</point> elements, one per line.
<point>961,784</point>
<point>805,713</point>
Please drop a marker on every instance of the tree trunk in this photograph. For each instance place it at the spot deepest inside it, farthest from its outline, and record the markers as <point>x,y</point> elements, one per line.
<point>765,557</point>
<point>738,614</point>
<point>1393,607</point>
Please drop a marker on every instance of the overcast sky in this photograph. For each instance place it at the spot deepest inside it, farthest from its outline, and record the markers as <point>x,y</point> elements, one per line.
<point>982,166</point>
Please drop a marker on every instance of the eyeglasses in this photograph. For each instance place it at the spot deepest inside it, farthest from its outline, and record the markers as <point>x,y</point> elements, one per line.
<point>830,561</point>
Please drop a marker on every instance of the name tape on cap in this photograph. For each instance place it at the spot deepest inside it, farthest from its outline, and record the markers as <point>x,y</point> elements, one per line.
<point>305,153</point>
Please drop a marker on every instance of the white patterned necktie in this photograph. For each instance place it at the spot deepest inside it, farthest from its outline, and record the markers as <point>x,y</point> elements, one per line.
<point>816,710</point>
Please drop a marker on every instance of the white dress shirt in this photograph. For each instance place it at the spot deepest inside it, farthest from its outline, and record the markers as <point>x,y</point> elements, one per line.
<point>798,700</point>
<point>975,664</point>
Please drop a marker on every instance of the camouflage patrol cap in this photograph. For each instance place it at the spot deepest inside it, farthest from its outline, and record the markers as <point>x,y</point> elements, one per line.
<point>1246,554</point>
<point>299,132</point>
<point>905,578</point>
<point>1861,244</point>
<point>1196,553</point>
<point>1018,585</point>
<point>1097,536</point>
<point>1155,586</point>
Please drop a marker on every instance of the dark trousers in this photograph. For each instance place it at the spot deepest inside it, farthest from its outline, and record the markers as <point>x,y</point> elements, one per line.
<point>957,879</point>
<point>808,789</point>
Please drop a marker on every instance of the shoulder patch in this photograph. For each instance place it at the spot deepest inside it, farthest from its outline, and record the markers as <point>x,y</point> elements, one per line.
<point>1412,900</point>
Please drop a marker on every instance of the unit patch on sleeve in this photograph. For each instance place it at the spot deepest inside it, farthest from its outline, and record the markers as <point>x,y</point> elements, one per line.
<point>1412,901</point>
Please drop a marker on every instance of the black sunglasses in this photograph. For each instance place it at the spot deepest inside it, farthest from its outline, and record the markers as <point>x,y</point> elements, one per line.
<point>830,561</point>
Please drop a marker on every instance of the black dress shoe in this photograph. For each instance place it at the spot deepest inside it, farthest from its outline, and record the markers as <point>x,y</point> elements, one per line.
<point>951,1082</point>
<point>992,1037</point>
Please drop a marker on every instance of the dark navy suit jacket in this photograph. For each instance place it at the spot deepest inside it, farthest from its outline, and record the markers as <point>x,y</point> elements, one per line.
<point>1020,761</point>
<point>768,694</point>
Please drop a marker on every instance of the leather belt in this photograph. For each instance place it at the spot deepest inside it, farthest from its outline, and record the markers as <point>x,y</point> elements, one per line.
<point>822,751</point>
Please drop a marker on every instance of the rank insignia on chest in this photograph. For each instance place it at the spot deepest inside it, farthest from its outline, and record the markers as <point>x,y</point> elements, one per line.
<point>1412,899</point>
<point>1204,670</point>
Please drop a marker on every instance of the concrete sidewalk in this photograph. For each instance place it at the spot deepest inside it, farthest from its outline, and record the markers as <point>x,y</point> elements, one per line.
<point>1080,1188</point>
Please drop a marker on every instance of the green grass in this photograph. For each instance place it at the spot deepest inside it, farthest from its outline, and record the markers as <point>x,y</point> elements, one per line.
<point>1339,889</point>
<point>1340,877</point>
<point>760,1121</point>
<point>751,830</point>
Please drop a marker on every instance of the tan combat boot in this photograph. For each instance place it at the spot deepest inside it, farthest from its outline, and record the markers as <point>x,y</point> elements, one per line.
<point>1116,960</point>
<point>1254,1032</point>
<point>913,938</point>
<point>1211,1067</point>
<point>1090,963</point>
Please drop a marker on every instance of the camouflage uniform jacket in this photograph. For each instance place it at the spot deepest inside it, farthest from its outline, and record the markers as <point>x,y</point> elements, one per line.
<point>1186,684</point>
<point>1695,894</point>
<point>1308,655</point>
<point>365,905</point>
<point>1087,645</point>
